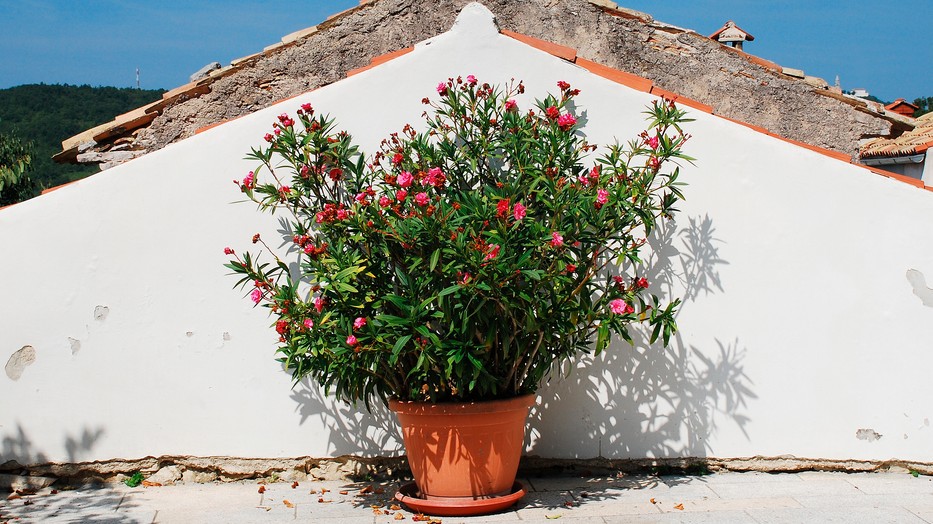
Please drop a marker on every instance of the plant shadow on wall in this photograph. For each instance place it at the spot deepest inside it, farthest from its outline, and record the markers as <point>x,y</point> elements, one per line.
<point>18,447</point>
<point>644,400</point>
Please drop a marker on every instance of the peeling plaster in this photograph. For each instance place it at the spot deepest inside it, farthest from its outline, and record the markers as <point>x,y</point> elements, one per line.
<point>18,362</point>
<point>101,312</point>
<point>869,435</point>
<point>919,284</point>
<point>75,345</point>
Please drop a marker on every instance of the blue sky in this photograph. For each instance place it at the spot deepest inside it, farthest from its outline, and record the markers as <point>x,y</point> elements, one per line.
<point>102,42</point>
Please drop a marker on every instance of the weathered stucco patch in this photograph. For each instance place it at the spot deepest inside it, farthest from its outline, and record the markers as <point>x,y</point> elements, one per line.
<point>18,362</point>
<point>75,345</point>
<point>919,284</point>
<point>101,312</point>
<point>867,434</point>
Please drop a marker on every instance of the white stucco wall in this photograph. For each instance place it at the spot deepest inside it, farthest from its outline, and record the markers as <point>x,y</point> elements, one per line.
<point>799,326</point>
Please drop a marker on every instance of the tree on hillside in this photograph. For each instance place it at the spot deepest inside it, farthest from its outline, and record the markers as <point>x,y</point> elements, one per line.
<point>15,161</point>
<point>924,105</point>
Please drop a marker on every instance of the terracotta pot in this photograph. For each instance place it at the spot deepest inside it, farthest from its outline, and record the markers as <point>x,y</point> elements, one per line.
<point>468,450</point>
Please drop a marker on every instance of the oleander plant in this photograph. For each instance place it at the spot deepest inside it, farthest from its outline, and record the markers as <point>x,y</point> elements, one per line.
<point>466,258</point>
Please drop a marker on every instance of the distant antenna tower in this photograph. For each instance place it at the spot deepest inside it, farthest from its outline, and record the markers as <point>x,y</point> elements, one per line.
<point>137,78</point>
<point>838,86</point>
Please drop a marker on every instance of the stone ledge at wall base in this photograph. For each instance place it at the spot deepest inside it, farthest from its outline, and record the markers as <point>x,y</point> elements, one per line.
<point>230,469</point>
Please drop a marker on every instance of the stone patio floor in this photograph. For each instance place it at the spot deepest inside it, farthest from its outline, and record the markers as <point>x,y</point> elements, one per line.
<point>725,497</point>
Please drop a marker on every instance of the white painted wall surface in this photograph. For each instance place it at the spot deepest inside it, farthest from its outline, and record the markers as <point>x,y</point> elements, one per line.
<point>798,329</point>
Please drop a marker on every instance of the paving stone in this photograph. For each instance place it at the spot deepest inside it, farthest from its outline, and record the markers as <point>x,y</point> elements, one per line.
<point>789,488</point>
<point>719,517</point>
<point>841,515</point>
<point>884,483</point>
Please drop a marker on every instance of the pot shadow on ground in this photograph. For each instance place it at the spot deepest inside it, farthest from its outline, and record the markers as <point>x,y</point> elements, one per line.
<point>647,401</point>
<point>637,402</point>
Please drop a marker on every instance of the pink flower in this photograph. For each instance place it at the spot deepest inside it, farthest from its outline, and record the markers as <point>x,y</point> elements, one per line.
<point>471,80</point>
<point>343,214</point>
<point>566,121</point>
<point>361,198</point>
<point>401,194</point>
<point>256,296</point>
<point>228,251</point>
<point>352,341</point>
<point>602,196</point>
<point>385,201</point>
<point>618,306</point>
<point>571,268</point>
<point>405,179</point>
<point>511,105</point>
<point>359,322</point>
<point>397,158</point>
<point>652,142</point>
<point>493,252</point>
<point>642,283</point>
<point>552,112</point>
<point>319,304</point>
<point>307,108</point>
<point>436,177</point>
<point>442,89</point>
<point>563,85</point>
<point>308,323</point>
<point>248,180</point>
<point>518,211</point>
<point>422,199</point>
<point>268,137</point>
<point>556,239</point>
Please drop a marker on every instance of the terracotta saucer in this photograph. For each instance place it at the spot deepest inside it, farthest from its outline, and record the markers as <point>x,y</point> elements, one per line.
<point>457,506</point>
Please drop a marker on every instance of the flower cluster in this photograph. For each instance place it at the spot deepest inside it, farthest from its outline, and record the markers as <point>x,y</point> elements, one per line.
<point>462,262</point>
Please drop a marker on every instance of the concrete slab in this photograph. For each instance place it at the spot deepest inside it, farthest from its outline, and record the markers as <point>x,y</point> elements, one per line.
<point>836,515</point>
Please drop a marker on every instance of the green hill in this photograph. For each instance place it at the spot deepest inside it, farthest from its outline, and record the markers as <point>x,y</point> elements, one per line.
<point>47,114</point>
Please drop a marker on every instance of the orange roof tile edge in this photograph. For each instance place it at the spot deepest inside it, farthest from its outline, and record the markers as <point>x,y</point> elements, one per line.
<point>627,79</point>
<point>923,147</point>
<point>689,102</point>
<point>379,60</point>
<point>567,53</point>
<point>645,85</point>
<point>56,188</point>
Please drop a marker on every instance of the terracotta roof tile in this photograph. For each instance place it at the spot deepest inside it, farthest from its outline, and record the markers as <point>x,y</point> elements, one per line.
<point>567,53</point>
<point>628,79</point>
<point>300,34</point>
<point>910,143</point>
<point>682,100</point>
<point>381,59</point>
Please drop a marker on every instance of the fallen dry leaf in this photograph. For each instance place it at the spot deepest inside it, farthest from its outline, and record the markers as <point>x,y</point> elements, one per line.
<point>324,490</point>
<point>375,506</point>
<point>679,506</point>
<point>322,501</point>
<point>288,504</point>
<point>399,516</point>
<point>552,517</point>
<point>653,501</point>
<point>14,496</point>
<point>267,508</point>
<point>568,503</point>
<point>395,507</point>
<point>28,502</point>
<point>147,484</point>
<point>380,491</point>
<point>262,489</point>
<point>344,492</point>
<point>367,490</point>
<point>377,511</point>
<point>54,492</point>
<point>294,484</point>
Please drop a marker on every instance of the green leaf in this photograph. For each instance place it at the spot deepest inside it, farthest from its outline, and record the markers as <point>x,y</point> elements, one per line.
<point>135,480</point>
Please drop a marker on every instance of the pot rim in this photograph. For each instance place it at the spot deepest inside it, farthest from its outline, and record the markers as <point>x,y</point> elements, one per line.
<point>458,408</point>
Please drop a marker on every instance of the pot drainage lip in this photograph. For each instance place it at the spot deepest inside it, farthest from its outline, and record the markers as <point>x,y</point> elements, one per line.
<point>457,506</point>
